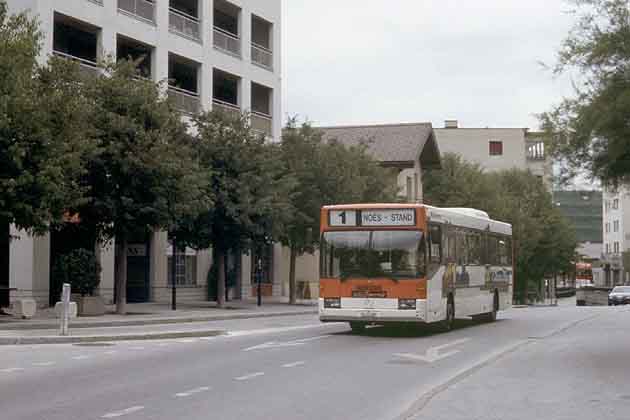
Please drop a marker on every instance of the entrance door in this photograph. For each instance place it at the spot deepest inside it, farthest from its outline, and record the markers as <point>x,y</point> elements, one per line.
<point>138,272</point>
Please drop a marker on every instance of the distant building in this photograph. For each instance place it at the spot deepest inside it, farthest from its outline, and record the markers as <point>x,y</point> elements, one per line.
<point>409,148</point>
<point>496,149</point>
<point>616,228</point>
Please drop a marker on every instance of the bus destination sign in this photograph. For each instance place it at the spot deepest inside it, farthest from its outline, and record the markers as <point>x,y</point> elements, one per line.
<point>393,217</point>
<point>384,217</point>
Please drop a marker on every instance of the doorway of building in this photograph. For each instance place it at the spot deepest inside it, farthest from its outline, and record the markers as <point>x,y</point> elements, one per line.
<point>139,269</point>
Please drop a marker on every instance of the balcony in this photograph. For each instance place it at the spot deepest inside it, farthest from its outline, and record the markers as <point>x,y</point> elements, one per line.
<point>261,119</point>
<point>262,123</point>
<point>262,56</point>
<point>76,41</point>
<point>227,42</point>
<point>226,28</point>
<point>138,52</point>
<point>99,2</point>
<point>228,109</point>
<point>225,93</point>
<point>183,100</point>
<point>86,67</point>
<point>143,10</point>
<point>535,150</point>
<point>184,24</point>
<point>183,85</point>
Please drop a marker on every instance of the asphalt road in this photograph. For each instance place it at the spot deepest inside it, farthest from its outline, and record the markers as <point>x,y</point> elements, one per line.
<point>556,363</point>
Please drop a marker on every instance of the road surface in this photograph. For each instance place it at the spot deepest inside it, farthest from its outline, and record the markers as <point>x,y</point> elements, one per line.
<point>556,363</point>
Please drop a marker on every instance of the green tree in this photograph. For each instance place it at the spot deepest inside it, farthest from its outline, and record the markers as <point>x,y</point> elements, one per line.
<point>41,121</point>
<point>250,188</point>
<point>326,173</point>
<point>589,131</point>
<point>144,176</point>
<point>544,241</point>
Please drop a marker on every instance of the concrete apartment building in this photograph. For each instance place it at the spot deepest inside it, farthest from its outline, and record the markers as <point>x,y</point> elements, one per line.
<point>616,227</point>
<point>215,54</point>
<point>496,149</point>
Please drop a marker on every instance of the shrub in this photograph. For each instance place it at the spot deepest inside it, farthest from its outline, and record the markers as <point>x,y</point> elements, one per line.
<point>80,269</point>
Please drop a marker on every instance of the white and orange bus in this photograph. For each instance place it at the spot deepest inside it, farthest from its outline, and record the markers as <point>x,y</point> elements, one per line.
<point>412,263</point>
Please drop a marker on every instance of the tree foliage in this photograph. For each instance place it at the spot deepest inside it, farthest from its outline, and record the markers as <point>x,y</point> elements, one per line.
<point>590,130</point>
<point>544,240</point>
<point>40,118</point>
<point>143,176</point>
<point>325,173</point>
<point>249,184</point>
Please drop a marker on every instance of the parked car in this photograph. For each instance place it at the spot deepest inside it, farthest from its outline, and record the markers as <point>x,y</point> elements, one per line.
<point>620,295</point>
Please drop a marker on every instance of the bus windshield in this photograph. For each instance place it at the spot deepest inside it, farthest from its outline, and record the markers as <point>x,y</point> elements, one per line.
<point>373,254</point>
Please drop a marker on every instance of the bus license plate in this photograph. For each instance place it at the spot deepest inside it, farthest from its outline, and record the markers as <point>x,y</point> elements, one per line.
<point>368,314</point>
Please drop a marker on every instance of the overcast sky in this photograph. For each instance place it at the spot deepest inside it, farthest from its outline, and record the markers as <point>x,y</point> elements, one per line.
<point>391,61</point>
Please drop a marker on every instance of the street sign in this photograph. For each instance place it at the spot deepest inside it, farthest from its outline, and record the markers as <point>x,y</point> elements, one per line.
<point>394,217</point>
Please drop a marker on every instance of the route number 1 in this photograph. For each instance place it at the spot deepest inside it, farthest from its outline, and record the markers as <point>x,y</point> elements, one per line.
<point>343,218</point>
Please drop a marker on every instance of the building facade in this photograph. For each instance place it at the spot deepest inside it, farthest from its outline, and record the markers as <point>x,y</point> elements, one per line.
<point>213,54</point>
<point>616,228</point>
<point>496,149</point>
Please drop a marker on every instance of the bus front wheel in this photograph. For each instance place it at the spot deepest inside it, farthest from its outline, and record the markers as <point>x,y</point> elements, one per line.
<point>357,327</point>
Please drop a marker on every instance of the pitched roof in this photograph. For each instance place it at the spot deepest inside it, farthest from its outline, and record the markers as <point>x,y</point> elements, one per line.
<point>401,144</point>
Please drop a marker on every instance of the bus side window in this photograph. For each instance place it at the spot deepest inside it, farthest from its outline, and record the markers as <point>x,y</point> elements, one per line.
<point>473,241</point>
<point>503,251</point>
<point>462,252</point>
<point>435,244</point>
<point>491,258</point>
<point>450,245</point>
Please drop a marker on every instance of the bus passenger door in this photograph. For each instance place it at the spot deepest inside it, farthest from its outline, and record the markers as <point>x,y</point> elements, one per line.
<point>437,241</point>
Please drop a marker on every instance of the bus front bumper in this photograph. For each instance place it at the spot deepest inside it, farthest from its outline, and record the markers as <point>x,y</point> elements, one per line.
<point>374,313</point>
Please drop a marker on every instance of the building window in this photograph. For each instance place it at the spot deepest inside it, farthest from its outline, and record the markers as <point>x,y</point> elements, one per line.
<point>409,189</point>
<point>416,190</point>
<point>185,268</point>
<point>616,204</point>
<point>616,225</point>
<point>496,148</point>
<point>607,227</point>
<point>607,248</point>
<point>616,251</point>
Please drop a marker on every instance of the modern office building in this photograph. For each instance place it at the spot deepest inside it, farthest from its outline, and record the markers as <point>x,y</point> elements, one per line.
<point>214,54</point>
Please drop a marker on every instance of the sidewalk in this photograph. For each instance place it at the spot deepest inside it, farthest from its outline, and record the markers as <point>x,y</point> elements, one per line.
<point>153,320</point>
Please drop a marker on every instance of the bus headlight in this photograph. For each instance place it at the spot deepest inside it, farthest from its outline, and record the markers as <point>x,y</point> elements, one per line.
<point>407,304</point>
<point>334,303</point>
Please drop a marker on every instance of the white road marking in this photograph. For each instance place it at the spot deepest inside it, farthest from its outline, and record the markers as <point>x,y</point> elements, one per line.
<point>433,354</point>
<point>43,364</point>
<point>136,348</point>
<point>209,338</point>
<point>294,343</point>
<point>164,344</point>
<point>192,392</point>
<point>249,376</point>
<point>11,370</point>
<point>275,330</point>
<point>294,364</point>
<point>81,357</point>
<point>187,340</point>
<point>110,352</point>
<point>123,412</point>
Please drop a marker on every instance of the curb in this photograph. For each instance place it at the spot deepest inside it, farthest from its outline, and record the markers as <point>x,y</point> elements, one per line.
<point>16,341</point>
<point>157,321</point>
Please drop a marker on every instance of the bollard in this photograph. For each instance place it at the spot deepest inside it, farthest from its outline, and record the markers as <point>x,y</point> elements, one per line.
<point>65,311</point>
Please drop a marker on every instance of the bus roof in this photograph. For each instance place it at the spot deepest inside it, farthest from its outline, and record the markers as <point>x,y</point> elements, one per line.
<point>465,217</point>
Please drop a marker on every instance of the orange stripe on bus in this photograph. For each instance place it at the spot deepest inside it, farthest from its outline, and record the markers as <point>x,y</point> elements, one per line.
<point>387,288</point>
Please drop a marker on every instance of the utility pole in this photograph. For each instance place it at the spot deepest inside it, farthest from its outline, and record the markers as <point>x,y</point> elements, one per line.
<point>259,280</point>
<point>174,275</point>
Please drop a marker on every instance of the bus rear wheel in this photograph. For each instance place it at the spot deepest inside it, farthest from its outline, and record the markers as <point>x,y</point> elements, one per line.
<point>492,316</point>
<point>357,327</point>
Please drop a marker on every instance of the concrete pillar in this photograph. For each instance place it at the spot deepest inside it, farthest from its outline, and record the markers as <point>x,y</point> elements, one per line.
<point>159,264</point>
<point>246,283</point>
<point>29,267</point>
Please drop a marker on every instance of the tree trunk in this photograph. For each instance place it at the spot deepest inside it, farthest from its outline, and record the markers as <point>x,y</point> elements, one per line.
<point>121,275</point>
<point>221,289</point>
<point>292,288</point>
